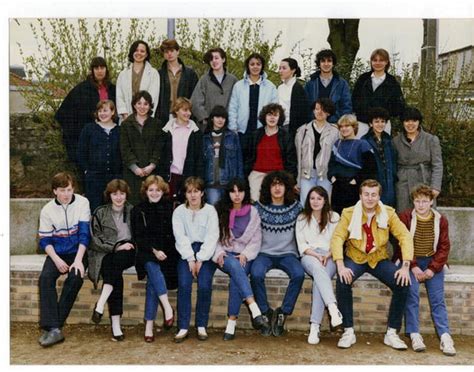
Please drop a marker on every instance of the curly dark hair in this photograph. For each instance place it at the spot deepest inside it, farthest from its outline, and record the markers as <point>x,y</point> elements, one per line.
<point>134,47</point>
<point>277,177</point>
<point>325,54</point>
<point>272,108</point>
<point>326,104</point>
<point>377,113</point>
<point>254,56</point>
<point>224,206</point>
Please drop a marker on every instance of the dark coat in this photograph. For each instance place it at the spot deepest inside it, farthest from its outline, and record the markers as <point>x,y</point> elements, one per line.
<point>76,110</point>
<point>386,169</point>
<point>287,148</point>
<point>340,94</point>
<point>140,148</point>
<point>193,165</point>
<point>300,112</point>
<point>186,85</point>
<point>152,228</point>
<point>387,95</point>
<point>104,238</point>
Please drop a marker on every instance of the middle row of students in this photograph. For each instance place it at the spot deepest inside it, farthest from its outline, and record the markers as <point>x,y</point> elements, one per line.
<point>320,154</point>
<point>171,248</point>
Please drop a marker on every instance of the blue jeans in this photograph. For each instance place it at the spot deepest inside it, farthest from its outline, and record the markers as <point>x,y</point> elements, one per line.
<point>307,184</point>
<point>239,286</point>
<point>291,266</point>
<point>384,271</point>
<point>155,287</point>
<point>213,195</point>
<point>204,292</point>
<point>435,291</point>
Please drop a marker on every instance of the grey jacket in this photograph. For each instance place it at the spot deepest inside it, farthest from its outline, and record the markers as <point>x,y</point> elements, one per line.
<point>104,238</point>
<point>304,142</point>
<point>209,93</point>
<point>418,162</point>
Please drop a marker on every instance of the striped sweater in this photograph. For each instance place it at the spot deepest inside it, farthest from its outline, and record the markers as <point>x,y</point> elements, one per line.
<point>65,227</point>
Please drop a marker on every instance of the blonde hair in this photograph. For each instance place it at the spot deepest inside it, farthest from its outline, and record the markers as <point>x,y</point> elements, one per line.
<point>179,104</point>
<point>153,179</point>
<point>349,119</point>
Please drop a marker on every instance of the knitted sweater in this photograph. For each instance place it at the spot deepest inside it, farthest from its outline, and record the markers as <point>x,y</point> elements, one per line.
<point>278,228</point>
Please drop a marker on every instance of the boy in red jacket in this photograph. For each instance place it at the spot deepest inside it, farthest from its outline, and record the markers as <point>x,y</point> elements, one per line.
<point>431,242</point>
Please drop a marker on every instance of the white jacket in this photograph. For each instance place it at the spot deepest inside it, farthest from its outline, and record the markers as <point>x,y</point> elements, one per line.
<point>150,82</point>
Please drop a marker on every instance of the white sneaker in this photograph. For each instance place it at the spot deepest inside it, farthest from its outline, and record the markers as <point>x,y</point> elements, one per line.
<point>336,318</point>
<point>447,345</point>
<point>313,337</point>
<point>417,342</point>
<point>393,340</point>
<point>347,339</point>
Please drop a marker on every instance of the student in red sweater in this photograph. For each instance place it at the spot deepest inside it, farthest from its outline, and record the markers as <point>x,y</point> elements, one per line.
<point>431,241</point>
<point>270,148</point>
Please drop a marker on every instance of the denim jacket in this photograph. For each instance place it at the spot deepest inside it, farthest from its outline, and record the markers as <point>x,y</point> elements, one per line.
<point>230,158</point>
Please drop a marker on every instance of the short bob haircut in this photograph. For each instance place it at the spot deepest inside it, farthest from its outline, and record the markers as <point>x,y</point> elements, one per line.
<point>411,113</point>
<point>169,44</point>
<point>349,119</point>
<point>383,54</point>
<point>326,54</point>
<point>370,183</point>
<point>181,102</point>
<point>194,182</point>
<point>63,179</point>
<point>254,56</point>
<point>154,180</point>
<point>377,113</point>
<point>114,186</point>
<point>293,64</point>
<point>134,47</point>
<point>103,103</point>
<point>208,56</point>
<point>146,96</point>
<point>421,190</point>
<point>217,111</point>
<point>98,62</point>
<point>273,178</point>
<point>272,108</point>
<point>327,105</point>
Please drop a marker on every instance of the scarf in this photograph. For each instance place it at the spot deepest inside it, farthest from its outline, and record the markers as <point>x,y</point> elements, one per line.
<point>237,213</point>
<point>355,226</point>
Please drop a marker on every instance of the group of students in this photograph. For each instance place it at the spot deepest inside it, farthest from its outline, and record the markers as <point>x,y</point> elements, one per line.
<point>173,246</point>
<point>182,155</point>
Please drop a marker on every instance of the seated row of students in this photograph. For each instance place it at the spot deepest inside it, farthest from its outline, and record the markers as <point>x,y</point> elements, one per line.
<point>171,248</point>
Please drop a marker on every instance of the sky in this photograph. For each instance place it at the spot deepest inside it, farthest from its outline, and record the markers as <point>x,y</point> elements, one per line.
<point>402,36</point>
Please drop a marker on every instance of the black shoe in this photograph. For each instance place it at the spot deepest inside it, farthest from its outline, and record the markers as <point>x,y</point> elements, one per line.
<point>266,329</point>
<point>278,325</point>
<point>229,336</point>
<point>96,316</point>
<point>118,338</point>
<point>258,322</point>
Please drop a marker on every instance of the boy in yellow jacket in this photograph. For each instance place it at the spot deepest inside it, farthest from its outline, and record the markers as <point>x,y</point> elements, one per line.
<point>364,231</point>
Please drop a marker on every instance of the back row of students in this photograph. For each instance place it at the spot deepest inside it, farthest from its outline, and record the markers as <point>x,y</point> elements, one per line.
<point>170,248</point>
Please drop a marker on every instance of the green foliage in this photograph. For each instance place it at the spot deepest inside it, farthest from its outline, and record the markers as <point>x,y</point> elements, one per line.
<point>448,114</point>
<point>65,49</point>
<point>238,38</point>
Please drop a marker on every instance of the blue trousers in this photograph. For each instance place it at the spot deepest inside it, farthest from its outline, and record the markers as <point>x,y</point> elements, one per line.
<point>307,184</point>
<point>155,287</point>
<point>384,271</point>
<point>435,291</point>
<point>204,292</point>
<point>239,285</point>
<point>213,195</point>
<point>291,265</point>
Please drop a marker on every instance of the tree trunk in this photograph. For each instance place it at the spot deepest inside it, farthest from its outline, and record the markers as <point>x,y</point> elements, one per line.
<point>344,41</point>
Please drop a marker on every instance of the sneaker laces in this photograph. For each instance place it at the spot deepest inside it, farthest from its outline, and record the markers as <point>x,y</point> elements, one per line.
<point>281,319</point>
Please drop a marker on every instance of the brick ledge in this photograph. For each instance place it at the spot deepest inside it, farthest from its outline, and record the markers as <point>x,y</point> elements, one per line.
<point>455,273</point>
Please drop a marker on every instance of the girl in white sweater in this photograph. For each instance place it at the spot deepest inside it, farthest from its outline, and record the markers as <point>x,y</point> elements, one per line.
<point>314,229</point>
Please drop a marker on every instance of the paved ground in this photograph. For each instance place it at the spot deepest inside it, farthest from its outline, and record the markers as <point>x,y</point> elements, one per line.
<point>89,344</point>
